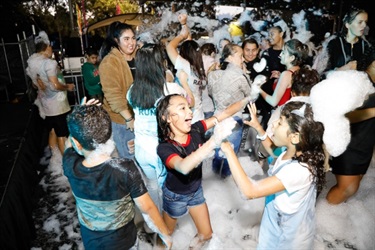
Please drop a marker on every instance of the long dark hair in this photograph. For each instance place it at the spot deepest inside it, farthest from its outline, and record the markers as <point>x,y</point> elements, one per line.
<point>114,32</point>
<point>190,51</point>
<point>149,81</point>
<point>299,116</point>
<point>162,113</point>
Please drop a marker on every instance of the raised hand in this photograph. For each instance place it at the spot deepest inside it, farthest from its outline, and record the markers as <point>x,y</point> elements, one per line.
<point>223,129</point>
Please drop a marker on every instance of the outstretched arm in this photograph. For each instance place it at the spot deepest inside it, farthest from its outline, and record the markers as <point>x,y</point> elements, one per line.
<point>187,164</point>
<point>248,187</point>
<point>229,111</point>
<point>282,84</point>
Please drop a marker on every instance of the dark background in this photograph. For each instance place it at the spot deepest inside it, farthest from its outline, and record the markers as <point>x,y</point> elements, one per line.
<point>13,22</point>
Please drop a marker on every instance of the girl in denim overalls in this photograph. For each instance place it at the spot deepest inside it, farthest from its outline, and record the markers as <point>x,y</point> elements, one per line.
<point>294,181</point>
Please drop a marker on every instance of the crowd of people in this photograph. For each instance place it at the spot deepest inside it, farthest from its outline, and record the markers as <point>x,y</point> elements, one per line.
<point>156,111</point>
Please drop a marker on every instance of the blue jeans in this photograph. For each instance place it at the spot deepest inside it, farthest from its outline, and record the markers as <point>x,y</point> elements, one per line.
<point>121,135</point>
<point>177,205</point>
<point>219,163</point>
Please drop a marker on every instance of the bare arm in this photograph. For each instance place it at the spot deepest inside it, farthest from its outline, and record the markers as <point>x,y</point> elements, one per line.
<point>251,189</point>
<point>254,122</point>
<point>39,83</point>
<point>360,115</point>
<point>59,86</point>
<point>184,34</point>
<point>147,206</point>
<point>187,164</point>
<point>229,111</point>
<point>282,84</point>
<point>183,78</point>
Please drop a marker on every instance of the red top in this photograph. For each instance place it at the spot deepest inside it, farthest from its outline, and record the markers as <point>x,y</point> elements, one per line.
<point>287,94</point>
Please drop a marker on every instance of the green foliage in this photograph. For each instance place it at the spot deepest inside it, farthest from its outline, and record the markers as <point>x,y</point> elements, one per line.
<point>58,20</point>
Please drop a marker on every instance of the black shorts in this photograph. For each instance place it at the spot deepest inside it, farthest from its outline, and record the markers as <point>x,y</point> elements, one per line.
<point>59,124</point>
<point>351,162</point>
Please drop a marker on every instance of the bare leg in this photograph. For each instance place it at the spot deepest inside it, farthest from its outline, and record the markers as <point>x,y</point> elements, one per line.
<point>61,144</point>
<point>346,186</point>
<point>52,139</point>
<point>201,219</point>
<point>169,221</point>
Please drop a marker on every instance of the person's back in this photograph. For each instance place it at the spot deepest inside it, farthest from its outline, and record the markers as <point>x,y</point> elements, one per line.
<point>227,87</point>
<point>104,188</point>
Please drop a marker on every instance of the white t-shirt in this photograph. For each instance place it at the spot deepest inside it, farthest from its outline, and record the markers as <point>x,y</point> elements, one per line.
<point>296,179</point>
<point>54,102</point>
<point>195,85</point>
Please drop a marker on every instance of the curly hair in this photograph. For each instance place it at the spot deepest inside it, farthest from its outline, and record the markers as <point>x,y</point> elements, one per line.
<point>300,119</point>
<point>303,80</point>
<point>90,125</point>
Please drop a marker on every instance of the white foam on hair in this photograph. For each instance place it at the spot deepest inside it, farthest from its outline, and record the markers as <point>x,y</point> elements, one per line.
<point>101,149</point>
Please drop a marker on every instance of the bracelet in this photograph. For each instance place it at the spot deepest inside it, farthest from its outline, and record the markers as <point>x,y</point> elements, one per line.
<point>130,119</point>
<point>263,137</point>
<point>216,120</point>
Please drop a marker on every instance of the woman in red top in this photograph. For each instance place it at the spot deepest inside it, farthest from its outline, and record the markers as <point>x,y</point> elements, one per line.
<point>292,56</point>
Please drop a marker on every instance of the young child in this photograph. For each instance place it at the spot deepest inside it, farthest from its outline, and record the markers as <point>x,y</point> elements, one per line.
<point>91,78</point>
<point>303,80</point>
<point>182,149</point>
<point>105,188</point>
<point>288,220</point>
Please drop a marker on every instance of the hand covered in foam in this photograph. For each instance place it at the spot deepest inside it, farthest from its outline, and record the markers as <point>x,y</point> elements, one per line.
<point>223,130</point>
<point>259,80</point>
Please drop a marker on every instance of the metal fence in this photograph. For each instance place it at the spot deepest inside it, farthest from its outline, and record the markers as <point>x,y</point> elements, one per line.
<point>13,59</point>
<point>13,78</point>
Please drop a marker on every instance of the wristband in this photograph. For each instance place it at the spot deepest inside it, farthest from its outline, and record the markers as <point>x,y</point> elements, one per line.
<point>263,137</point>
<point>130,119</point>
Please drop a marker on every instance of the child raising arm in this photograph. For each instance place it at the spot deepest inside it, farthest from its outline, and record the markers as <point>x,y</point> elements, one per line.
<point>182,149</point>
<point>291,189</point>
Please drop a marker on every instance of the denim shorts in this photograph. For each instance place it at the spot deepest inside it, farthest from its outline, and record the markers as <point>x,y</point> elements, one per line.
<point>177,205</point>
